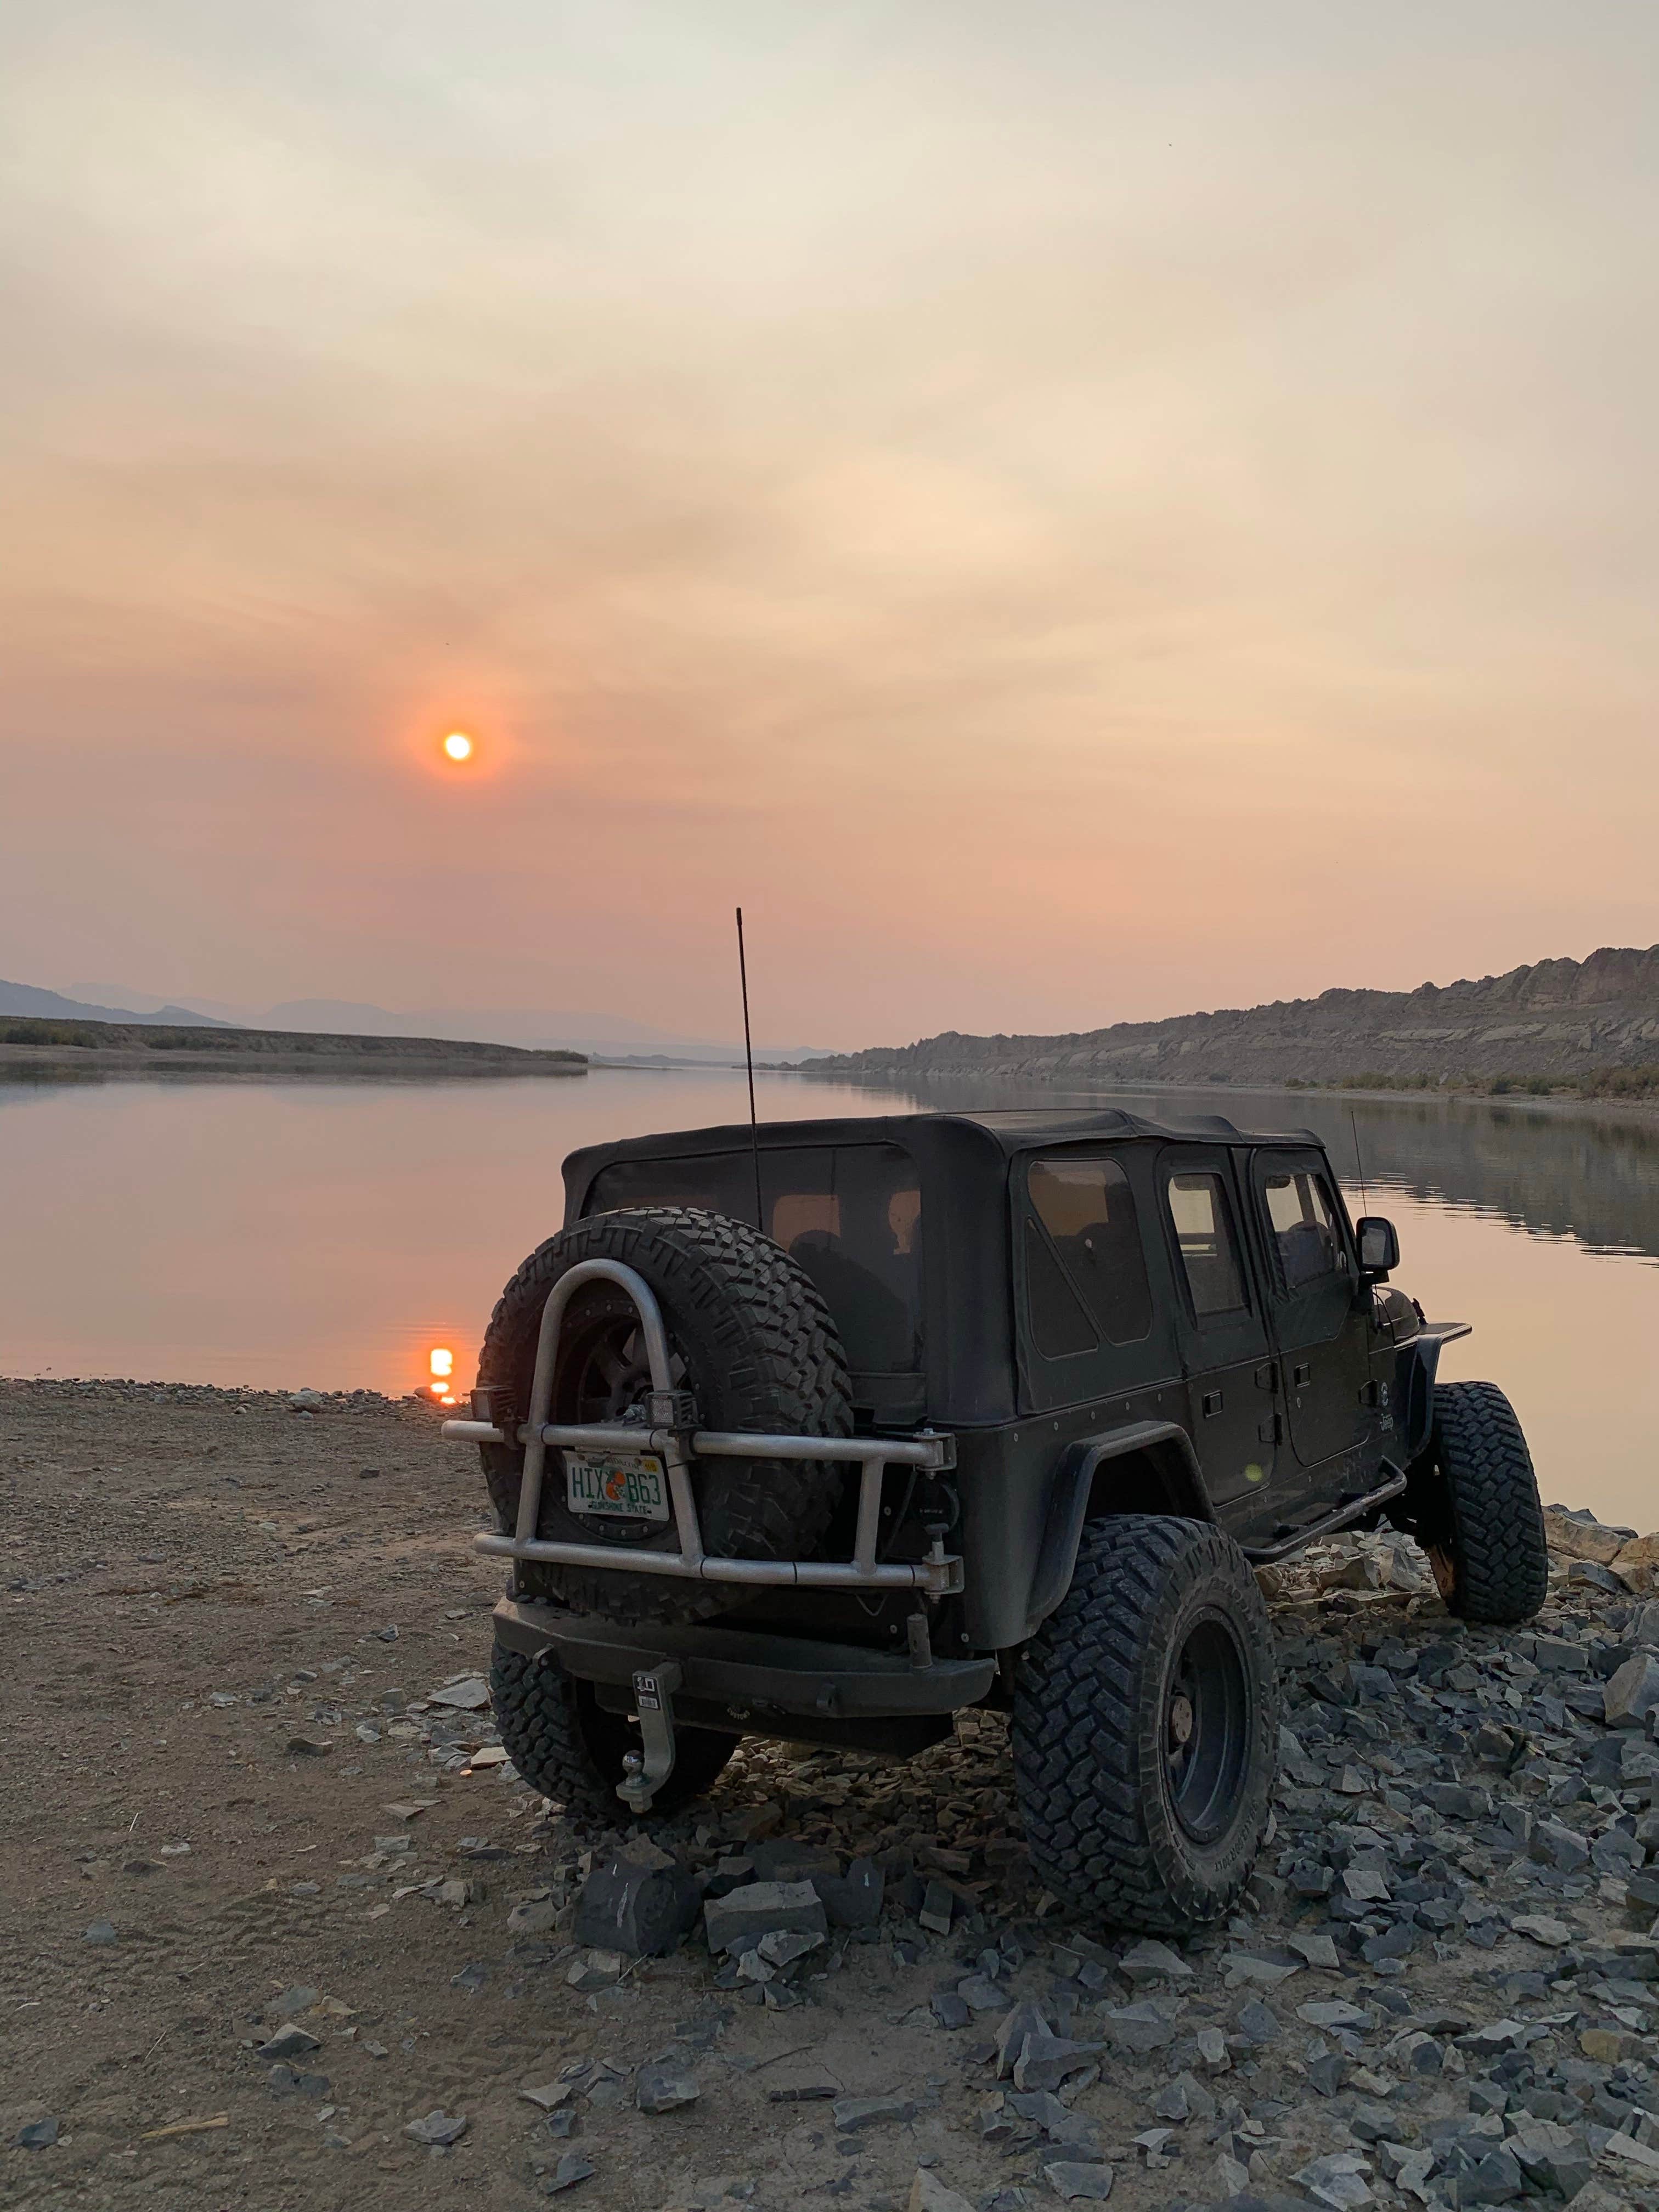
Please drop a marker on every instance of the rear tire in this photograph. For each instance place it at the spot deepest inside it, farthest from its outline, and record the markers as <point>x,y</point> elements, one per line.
<point>752,1340</point>
<point>1475,1508</point>
<point>565,1744</point>
<point>1146,1732</point>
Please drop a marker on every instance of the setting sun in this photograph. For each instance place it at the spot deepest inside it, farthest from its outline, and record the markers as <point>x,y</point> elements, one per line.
<point>458,745</point>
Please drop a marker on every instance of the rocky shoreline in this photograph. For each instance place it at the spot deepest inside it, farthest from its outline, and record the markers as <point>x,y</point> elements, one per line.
<point>834,1980</point>
<point>1443,1989</point>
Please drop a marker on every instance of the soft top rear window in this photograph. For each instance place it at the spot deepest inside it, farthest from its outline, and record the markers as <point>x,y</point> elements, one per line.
<point>849,1214</point>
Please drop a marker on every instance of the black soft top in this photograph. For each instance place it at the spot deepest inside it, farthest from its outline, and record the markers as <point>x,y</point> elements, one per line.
<point>1009,1129</point>
<point>962,1163</point>
<point>1017,1128</point>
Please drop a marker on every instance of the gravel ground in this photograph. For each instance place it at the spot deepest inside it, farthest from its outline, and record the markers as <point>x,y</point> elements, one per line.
<point>273,1896</point>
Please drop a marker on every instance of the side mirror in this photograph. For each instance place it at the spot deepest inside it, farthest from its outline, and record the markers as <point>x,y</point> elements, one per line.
<point>1379,1246</point>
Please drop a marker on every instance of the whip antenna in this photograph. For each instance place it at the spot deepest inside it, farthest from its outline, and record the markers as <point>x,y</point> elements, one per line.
<point>749,1063</point>
<point>1360,1164</point>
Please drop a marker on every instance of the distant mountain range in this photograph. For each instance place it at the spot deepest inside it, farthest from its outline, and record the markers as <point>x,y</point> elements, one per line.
<point>51,1006</point>
<point>604,1037</point>
<point>1556,1020</point>
<point>1562,1020</point>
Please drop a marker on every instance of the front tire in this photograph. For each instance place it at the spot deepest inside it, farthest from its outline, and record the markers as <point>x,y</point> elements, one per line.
<point>1145,1729</point>
<point>565,1744</point>
<point>1476,1510</point>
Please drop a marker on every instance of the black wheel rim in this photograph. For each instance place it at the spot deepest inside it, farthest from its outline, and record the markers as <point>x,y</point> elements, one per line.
<point>604,1377</point>
<point>1206,1728</point>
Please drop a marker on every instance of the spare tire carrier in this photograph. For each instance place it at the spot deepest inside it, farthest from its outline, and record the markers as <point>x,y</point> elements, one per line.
<point>939,1574</point>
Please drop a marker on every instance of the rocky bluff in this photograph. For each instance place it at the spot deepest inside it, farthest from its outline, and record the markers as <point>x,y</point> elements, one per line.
<point>1570,1020</point>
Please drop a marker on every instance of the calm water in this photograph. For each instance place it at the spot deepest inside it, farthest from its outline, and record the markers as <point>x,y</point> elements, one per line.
<point>284,1233</point>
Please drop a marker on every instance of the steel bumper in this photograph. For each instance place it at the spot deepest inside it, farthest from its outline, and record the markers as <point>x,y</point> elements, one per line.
<point>751,1677</point>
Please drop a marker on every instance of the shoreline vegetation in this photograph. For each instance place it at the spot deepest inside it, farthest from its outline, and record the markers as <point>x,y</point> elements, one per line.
<point>1526,1096</point>
<point>27,1043</point>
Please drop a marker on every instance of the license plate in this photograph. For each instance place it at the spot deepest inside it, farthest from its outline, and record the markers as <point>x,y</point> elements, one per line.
<point>630,1485</point>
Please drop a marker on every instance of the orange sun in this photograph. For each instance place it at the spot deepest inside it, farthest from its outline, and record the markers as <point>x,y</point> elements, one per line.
<point>458,745</point>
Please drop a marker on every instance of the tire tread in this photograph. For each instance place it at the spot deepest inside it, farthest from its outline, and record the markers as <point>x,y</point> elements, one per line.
<point>536,1710</point>
<point>1496,1537</point>
<point>1083,1753</point>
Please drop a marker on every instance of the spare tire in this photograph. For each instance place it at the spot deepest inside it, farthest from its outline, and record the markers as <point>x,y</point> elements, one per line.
<point>750,1339</point>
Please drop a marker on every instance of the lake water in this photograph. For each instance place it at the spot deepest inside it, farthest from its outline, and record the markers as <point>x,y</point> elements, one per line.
<point>281,1233</point>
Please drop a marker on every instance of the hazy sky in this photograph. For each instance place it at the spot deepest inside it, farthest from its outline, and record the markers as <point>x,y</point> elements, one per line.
<point>1067,512</point>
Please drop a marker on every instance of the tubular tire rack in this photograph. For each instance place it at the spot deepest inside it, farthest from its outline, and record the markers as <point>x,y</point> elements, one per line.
<point>678,1445</point>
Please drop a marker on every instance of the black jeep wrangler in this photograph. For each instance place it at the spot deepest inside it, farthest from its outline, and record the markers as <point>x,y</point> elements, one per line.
<point>989,1409</point>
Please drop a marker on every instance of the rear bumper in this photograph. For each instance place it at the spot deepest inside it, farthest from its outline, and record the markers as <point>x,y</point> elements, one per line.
<point>735,1678</point>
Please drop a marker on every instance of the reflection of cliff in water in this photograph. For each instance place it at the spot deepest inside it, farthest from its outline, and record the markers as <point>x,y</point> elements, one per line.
<point>1556,1173</point>
<point>1598,1182</point>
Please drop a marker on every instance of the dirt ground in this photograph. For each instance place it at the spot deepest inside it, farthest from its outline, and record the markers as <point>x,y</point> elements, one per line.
<point>232,1803</point>
<point>191,1581</point>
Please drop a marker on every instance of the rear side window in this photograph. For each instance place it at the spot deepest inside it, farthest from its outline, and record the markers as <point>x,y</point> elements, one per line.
<point>1209,1247</point>
<point>1306,1240</point>
<point>1059,1326</point>
<point>849,1214</point>
<point>1089,1210</point>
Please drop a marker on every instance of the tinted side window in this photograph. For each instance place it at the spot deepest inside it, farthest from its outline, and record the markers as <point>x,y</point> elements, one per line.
<point>1058,1325</point>
<point>1208,1246</point>
<point>1089,1210</point>
<point>1306,1239</point>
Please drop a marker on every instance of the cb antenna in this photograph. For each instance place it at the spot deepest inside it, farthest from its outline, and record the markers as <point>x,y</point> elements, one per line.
<point>1360,1164</point>
<point>749,1063</point>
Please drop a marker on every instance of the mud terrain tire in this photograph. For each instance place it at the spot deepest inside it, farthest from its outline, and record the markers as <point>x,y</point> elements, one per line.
<point>565,1744</point>
<point>753,1342</point>
<point>1146,1732</point>
<point>1476,1508</point>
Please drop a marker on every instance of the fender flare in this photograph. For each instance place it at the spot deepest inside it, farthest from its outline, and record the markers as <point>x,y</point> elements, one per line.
<point>1170,1451</point>
<point>1418,1364</point>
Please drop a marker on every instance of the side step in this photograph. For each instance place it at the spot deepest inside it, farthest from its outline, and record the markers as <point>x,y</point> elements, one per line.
<point>1352,1509</point>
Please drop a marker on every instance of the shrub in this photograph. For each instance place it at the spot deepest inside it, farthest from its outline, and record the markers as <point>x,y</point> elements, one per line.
<point>1622,1082</point>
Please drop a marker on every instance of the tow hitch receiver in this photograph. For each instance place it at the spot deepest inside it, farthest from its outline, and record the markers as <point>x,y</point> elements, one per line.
<point>653,1699</point>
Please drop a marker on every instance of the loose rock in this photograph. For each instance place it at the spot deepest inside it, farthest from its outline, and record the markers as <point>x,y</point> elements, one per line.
<point>598,1970</point>
<point>438,2127</point>
<point>1073,2183</point>
<point>639,1905</point>
<point>929,2194</point>
<point>759,1908</point>
<point>1632,1693</point>
<point>664,2090</point>
<point>853,2114</point>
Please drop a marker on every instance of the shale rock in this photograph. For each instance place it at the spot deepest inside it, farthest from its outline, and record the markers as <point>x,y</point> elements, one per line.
<point>640,1902</point>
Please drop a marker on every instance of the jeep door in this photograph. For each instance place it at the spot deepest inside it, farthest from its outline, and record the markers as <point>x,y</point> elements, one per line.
<point>1320,1322</point>
<point>1224,1347</point>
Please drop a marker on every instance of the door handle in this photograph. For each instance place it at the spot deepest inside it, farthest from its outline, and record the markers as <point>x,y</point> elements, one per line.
<point>1211,1403</point>
<point>1301,1377</point>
